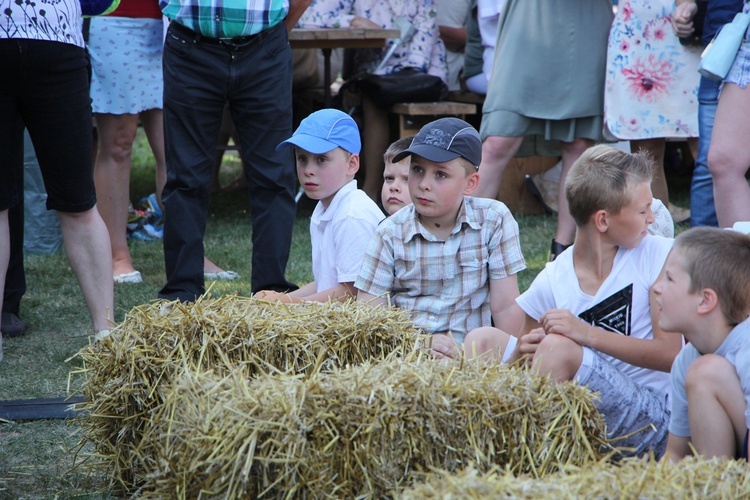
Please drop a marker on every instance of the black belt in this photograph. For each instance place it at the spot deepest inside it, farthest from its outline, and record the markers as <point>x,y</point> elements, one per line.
<point>237,42</point>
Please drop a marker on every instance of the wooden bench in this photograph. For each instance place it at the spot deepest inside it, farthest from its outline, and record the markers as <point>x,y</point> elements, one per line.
<point>414,115</point>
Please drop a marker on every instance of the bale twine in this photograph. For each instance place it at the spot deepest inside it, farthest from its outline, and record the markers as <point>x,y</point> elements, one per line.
<point>363,431</point>
<point>127,372</point>
<point>631,478</point>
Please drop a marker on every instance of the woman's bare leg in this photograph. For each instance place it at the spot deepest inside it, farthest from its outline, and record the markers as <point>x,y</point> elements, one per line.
<point>112,179</point>
<point>86,242</point>
<point>655,147</point>
<point>729,155</point>
<point>153,125</point>
<point>497,152</point>
<point>566,226</point>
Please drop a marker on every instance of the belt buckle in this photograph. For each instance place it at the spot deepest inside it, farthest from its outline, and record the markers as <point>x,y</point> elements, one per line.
<point>237,42</point>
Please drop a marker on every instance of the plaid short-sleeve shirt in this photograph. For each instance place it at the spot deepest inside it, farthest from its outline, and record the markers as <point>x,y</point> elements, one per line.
<point>444,284</point>
<point>227,18</point>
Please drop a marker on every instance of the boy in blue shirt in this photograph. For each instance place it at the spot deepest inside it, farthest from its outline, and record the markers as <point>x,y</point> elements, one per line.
<point>705,294</point>
<point>326,146</point>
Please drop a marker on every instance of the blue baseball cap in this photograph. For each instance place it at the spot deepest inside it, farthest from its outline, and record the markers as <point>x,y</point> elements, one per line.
<point>444,140</point>
<point>325,130</point>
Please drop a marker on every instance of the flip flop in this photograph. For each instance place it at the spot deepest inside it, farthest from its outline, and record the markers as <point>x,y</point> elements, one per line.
<point>221,276</point>
<point>134,277</point>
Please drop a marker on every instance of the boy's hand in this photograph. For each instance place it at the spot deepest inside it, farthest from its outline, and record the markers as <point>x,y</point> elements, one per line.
<point>527,345</point>
<point>682,19</point>
<point>273,296</point>
<point>563,322</point>
<point>443,346</point>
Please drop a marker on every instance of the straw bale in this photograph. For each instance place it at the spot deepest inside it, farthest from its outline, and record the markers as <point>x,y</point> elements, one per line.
<point>126,373</point>
<point>364,431</point>
<point>638,478</point>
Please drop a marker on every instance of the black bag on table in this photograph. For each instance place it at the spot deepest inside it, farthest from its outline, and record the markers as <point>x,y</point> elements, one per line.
<point>405,85</point>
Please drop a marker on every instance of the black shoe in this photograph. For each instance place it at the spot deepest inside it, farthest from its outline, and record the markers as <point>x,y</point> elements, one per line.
<point>12,326</point>
<point>556,249</point>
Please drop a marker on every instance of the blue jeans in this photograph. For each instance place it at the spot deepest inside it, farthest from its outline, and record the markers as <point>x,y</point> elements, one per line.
<point>200,76</point>
<point>702,209</point>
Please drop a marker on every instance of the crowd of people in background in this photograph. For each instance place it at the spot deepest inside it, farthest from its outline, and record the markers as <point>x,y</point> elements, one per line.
<point>425,232</point>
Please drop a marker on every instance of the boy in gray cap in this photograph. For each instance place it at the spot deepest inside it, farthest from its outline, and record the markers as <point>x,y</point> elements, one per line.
<point>450,259</point>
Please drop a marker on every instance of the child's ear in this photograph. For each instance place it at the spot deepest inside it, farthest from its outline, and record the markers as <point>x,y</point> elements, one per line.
<point>600,220</point>
<point>472,182</point>
<point>708,302</point>
<point>353,166</point>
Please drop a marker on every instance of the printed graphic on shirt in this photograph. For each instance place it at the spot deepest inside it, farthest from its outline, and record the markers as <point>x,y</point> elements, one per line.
<point>613,313</point>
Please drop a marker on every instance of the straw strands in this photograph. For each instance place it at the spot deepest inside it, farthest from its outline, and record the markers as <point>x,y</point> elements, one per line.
<point>128,372</point>
<point>363,431</point>
<point>632,478</point>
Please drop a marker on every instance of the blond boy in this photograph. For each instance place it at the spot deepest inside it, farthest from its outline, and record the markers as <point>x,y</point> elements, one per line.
<point>589,314</point>
<point>327,146</point>
<point>705,294</point>
<point>395,192</point>
<point>450,259</point>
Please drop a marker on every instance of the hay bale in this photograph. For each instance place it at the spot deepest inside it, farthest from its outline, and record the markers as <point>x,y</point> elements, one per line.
<point>127,372</point>
<point>365,430</point>
<point>630,478</point>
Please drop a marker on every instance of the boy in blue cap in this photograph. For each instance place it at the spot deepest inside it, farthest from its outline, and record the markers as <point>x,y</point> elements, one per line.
<point>326,149</point>
<point>449,258</point>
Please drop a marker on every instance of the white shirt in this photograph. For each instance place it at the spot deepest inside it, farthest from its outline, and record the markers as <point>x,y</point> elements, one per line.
<point>58,21</point>
<point>340,235</point>
<point>621,304</point>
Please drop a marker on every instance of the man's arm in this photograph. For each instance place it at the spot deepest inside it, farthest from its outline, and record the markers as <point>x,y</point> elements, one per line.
<point>453,38</point>
<point>678,447</point>
<point>296,9</point>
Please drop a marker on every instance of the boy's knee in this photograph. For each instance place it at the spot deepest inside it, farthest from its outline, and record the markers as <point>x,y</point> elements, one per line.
<point>710,370</point>
<point>487,341</point>
<point>558,356</point>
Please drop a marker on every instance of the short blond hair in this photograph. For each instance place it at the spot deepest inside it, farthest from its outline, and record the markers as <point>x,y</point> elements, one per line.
<point>602,179</point>
<point>720,260</point>
<point>397,147</point>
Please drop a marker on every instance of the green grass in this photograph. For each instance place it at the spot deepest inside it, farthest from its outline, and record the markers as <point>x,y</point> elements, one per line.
<point>35,457</point>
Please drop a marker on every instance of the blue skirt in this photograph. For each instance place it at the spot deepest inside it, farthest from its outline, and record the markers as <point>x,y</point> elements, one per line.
<point>126,56</point>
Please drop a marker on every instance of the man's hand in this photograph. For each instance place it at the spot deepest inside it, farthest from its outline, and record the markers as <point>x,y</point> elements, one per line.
<point>682,19</point>
<point>273,296</point>
<point>443,346</point>
<point>363,23</point>
<point>563,322</point>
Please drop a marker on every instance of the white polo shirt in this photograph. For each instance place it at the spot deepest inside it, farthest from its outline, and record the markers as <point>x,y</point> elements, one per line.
<point>340,235</point>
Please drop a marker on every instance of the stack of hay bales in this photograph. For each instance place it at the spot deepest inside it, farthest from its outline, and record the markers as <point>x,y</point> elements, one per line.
<point>128,372</point>
<point>630,478</point>
<point>363,431</point>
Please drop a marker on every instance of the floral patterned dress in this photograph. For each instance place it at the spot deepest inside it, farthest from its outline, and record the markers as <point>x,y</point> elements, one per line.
<point>652,80</point>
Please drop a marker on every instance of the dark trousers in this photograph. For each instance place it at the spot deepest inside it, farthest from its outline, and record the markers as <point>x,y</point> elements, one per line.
<point>200,76</point>
<point>15,278</point>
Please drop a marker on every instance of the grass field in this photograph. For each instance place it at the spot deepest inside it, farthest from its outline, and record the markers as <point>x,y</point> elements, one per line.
<point>36,456</point>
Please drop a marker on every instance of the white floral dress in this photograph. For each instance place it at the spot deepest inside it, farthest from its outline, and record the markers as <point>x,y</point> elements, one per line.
<point>652,80</point>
